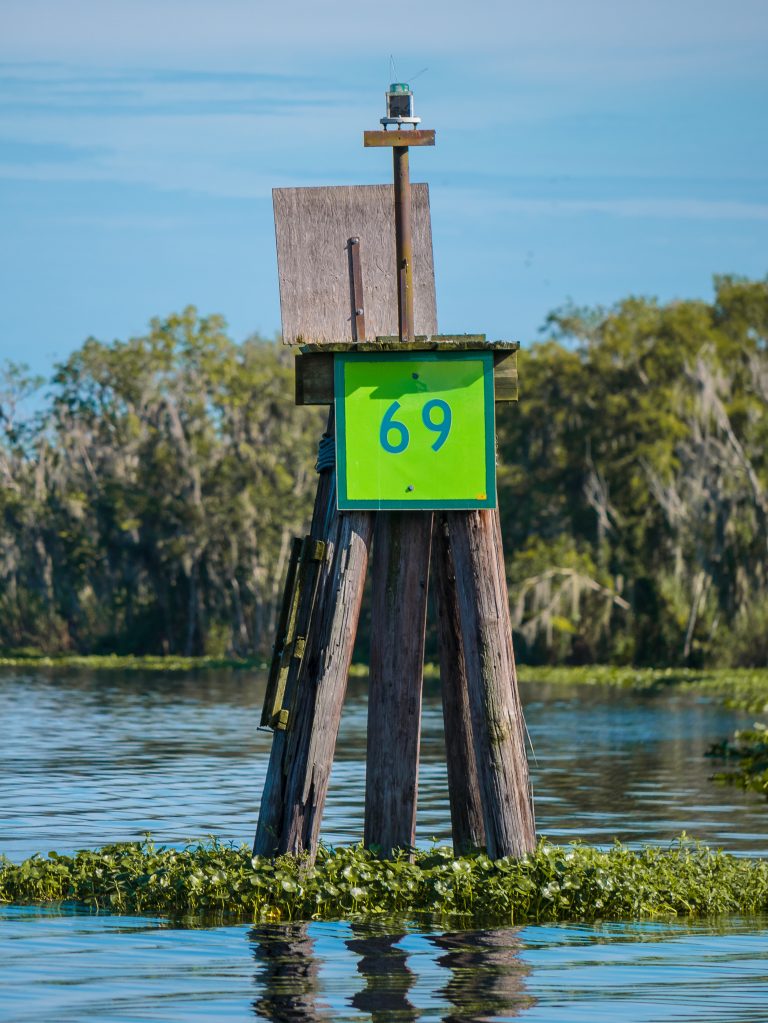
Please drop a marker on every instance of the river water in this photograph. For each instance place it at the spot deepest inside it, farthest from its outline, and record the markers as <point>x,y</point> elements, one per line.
<point>90,758</point>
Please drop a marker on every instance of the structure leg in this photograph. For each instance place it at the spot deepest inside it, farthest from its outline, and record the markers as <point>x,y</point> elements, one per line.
<point>401,554</point>
<point>497,718</point>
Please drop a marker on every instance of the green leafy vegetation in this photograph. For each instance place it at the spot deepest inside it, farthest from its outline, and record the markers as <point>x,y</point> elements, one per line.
<point>738,688</point>
<point>114,662</point>
<point>148,505</point>
<point>555,883</point>
<point>634,484</point>
<point>748,751</point>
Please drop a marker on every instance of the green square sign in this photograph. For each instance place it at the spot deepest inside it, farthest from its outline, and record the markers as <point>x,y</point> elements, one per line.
<point>415,430</point>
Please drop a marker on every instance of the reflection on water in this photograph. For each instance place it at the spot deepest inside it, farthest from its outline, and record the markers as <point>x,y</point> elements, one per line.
<point>388,979</point>
<point>487,974</point>
<point>484,971</point>
<point>91,758</point>
<point>76,966</point>
<point>288,974</point>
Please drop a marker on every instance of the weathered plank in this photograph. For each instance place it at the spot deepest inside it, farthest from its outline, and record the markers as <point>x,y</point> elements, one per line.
<point>401,553</point>
<point>505,376</point>
<point>497,719</point>
<point>313,227</point>
<point>273,698</point>
<point>314,379</point>
<point>421,343</point>
<point>463,785</point>
<point>272,806</point>
<point>314,374</point>
<point>323,683</point>
<point>403,137</point>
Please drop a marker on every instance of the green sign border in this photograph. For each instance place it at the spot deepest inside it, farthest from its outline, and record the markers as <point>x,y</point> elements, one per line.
<point>346,504</point>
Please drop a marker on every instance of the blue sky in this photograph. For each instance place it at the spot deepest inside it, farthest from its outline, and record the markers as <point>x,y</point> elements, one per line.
<point>586,151</point>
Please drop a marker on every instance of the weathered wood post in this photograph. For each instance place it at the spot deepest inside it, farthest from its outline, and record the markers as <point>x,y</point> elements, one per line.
<point>467,827</point>
<point>401,554</point>
<point>277,716</point>
<point>496,714</point>
<point>414,423</point>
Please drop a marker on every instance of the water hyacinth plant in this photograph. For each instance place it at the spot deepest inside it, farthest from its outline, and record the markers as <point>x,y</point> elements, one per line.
<point>748,750</point>
<point>554,883</point>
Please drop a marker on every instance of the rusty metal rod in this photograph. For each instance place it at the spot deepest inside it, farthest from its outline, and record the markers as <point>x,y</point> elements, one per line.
<point>403,242</point>
<point>356,290</point>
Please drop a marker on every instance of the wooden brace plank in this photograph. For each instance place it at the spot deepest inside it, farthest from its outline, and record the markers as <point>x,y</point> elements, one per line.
<point>405,137</point>
<point>314,377</point>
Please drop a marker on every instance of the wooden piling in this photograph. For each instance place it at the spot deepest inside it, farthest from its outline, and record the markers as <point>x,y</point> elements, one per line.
<point>323,684</point>
<point>467,827</point>
<point>497,720</point>
<point>401,552</point>
<point>272,806</point>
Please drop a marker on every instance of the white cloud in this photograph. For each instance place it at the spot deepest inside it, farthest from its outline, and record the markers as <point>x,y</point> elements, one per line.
<point>259,33</point>
<point>215,133</point>
<point>662,208</point>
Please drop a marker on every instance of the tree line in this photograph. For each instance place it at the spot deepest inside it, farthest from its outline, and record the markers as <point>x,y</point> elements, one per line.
<point>149,499</point>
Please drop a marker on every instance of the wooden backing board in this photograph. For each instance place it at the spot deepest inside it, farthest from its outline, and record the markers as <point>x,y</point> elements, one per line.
<point>313,227</point>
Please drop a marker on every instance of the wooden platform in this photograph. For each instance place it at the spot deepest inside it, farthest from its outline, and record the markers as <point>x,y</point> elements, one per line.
<point>314,363</point>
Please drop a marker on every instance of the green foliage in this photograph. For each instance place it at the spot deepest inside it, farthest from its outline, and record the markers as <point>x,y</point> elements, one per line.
<point>738,688</point>
<point>148,507</point>
<point>749,748</point>
<point>748,644</point>
<point>741,689</point>
<point>562,604</point>
<point>113,662</point>
<point>640,446</point>
<point>554,883</point>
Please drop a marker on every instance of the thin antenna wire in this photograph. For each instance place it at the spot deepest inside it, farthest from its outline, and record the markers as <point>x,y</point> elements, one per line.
<point>418,74</point>
<point>392,71</point>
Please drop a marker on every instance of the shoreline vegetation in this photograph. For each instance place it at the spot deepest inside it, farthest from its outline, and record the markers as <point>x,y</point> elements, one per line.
<point>745,689</point>
<point>578,882</point>
<point>740,688</point>
<point>150,490</point>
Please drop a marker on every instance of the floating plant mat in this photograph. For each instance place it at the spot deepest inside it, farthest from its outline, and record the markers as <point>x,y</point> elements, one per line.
<point>554,883</point>
<point>747,753</point>
<point>741,688</point>
<point>738,688</point>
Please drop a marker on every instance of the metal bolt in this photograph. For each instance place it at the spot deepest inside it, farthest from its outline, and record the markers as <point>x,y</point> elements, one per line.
<point>358,312</point>
<point>409,487</point>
